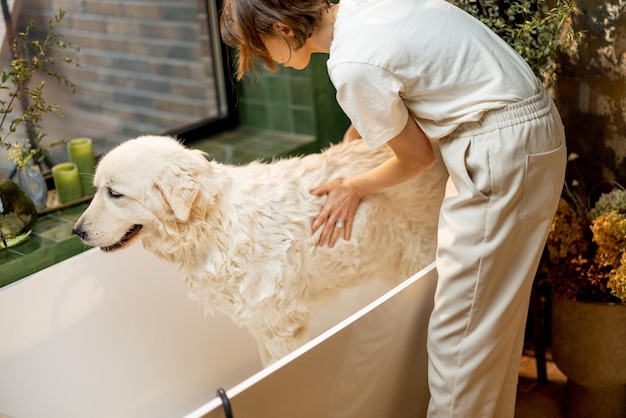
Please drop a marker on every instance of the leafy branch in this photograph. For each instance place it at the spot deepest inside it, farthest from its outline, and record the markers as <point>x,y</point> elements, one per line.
<point>32,57</point>
<point>539,32</point>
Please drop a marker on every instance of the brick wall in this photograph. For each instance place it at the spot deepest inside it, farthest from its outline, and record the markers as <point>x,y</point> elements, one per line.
<point>146,67</point>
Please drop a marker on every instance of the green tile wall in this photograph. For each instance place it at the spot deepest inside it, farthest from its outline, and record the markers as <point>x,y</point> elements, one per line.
<point>292,101</point>
<point>330,121</point>
<point>281,101</point>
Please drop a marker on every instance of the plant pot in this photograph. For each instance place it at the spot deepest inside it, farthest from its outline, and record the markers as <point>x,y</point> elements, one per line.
<point>589,347</point>
<point>18,214</point>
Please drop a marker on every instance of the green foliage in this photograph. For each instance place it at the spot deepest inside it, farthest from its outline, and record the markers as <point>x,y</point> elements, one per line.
<point>615,200</point>
<point>538,30</point>
<point>32,57</point>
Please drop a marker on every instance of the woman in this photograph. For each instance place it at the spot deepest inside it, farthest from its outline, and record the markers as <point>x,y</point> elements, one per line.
<point>408,72</point>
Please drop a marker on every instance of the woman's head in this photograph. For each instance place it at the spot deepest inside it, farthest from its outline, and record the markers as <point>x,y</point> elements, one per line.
<point>245,23</point>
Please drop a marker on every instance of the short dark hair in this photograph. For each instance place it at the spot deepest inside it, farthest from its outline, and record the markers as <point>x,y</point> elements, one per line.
<point>243,22</point>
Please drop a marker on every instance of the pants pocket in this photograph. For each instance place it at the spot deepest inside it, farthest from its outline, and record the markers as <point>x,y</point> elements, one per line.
<point>468,167</point>
<point>544,177</point>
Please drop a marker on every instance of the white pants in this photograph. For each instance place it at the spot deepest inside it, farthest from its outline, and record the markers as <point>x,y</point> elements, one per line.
<point>506,177</point>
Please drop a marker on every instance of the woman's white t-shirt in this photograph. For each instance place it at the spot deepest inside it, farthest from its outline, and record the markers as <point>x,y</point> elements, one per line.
<point>393,58</point>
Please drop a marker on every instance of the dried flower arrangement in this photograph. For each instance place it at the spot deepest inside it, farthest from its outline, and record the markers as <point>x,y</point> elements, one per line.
<point>585,255</point>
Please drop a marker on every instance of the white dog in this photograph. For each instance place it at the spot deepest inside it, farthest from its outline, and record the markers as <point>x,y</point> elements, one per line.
<point>242,234</point>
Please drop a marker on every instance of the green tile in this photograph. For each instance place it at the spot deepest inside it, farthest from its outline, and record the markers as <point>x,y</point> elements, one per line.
<point>247,157</point>
<point>246,144</point>
<point>280,118</point>
<point>252,87</point>
<point>32,244</point>
<point>219,151</point>
<point>278,90</point>
<point>331,122</point>
<point>46,223</point>
<point>60,232</point>
<point>254,115</point>
<point>72,214</point>
<point>304,121</point>
<point>7,255</point>
<point>301,92</point>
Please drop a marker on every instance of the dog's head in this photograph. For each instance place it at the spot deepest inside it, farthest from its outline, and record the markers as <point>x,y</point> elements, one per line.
<point>141,183</point>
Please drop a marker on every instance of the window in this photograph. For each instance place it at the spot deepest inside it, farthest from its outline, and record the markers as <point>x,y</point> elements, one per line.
<point>146,67</point>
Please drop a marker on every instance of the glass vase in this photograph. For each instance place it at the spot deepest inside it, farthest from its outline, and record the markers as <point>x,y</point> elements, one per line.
<point>30,180</point>
<point>18,214</point>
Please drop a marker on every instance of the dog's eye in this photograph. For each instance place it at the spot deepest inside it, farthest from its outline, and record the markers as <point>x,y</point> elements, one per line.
<point>114,194</point>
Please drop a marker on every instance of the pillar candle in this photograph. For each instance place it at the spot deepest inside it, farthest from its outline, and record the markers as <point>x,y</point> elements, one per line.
<point>80,151</point>
<point>67,182</point>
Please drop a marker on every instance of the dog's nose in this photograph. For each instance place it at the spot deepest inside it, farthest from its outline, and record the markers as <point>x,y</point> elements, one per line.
<point>80,232</point>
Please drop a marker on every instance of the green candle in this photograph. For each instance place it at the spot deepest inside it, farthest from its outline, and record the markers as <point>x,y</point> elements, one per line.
<point>67,182</point>
<point>80,151</point>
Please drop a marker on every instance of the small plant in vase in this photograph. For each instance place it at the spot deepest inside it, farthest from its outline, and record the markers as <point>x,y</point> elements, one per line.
<point>27,158</point>
<point>20,132</point>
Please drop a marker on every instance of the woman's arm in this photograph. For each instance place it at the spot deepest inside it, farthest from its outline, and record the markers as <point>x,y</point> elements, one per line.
<point>351,133</point>
<point>413,154</point>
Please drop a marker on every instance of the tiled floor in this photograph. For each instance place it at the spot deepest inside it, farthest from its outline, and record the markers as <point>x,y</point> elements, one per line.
<point>539,401</point>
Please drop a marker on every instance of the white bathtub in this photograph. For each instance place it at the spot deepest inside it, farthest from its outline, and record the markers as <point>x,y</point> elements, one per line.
<point>114,335</point>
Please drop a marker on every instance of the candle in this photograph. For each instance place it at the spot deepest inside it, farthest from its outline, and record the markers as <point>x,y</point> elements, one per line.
<point>67,182</point>
<point>80,151</point>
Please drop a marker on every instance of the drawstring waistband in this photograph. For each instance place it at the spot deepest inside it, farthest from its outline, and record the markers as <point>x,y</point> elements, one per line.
<point>534,107</point>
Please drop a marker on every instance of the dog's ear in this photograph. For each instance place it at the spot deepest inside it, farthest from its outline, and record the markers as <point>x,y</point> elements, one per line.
<point>179,188</point>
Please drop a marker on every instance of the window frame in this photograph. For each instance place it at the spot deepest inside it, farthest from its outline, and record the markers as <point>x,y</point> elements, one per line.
<point>225,83</point>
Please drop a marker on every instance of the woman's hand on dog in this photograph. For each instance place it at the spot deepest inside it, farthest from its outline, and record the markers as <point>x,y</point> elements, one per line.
<point>337,214</point>
<point>335,222</point>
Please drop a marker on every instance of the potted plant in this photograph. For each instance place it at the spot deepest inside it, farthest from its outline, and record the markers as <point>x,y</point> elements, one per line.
<point>30,57</point>
<point>585,264</point>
